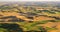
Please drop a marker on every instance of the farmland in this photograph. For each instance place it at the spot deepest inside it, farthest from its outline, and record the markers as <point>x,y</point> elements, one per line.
<point>29,17</point>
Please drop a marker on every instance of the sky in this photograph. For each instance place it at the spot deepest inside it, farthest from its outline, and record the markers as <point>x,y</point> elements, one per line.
<point>29,0</point>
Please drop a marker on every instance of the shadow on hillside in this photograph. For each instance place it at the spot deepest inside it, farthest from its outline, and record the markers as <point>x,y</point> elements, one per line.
<point>11,27</point>
<point>11,19</point>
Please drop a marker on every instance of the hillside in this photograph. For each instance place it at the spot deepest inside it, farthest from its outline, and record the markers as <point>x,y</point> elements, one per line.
<point>30,16</point>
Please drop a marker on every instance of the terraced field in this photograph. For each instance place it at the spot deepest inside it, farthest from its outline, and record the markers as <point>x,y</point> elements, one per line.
<point>18,17</point>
